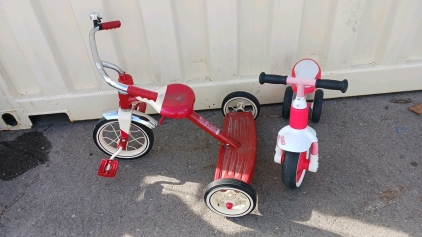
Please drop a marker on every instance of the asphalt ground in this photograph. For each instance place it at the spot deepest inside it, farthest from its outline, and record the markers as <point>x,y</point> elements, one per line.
<point>369,182</point>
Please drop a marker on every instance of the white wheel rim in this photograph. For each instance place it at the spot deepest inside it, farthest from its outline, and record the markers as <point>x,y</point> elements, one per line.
<point>108,138</point>
<point>220,197</point>
<point>240,104</point>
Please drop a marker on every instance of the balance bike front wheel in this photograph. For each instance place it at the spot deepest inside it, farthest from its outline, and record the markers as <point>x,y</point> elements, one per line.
<point>293,168</point>
<point>230,197</point>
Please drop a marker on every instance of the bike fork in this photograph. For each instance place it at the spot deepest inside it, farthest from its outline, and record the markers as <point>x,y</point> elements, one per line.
<point>108,167</point>
<point>313,157</point>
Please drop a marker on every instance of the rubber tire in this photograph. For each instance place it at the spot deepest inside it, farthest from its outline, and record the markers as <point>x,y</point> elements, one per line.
<point>287,102</point>
<point>241,94</point>
<point>317,106</point>
<point>289,169</point>
<point>102,124</point>
<point>225,184</point>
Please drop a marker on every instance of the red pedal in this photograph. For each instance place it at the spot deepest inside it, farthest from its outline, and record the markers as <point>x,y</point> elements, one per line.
<point>108,168</point>
<point>238,163</point>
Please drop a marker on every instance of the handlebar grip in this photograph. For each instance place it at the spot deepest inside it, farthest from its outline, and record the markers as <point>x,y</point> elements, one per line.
<point>110,25</point>
<point>136,91</point>
<point>332,84</point>
<point>272,79</point>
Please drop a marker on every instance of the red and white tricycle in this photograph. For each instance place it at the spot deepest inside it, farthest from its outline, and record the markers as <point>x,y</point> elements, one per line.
<point>126,133</point>
<point>297,143</point>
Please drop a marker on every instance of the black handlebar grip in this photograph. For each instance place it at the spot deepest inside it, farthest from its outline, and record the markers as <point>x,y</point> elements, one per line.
<point>272,79</point>
<point>332,84</point>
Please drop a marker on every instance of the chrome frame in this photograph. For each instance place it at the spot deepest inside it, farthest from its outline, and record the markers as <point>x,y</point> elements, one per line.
<point>113,67</point>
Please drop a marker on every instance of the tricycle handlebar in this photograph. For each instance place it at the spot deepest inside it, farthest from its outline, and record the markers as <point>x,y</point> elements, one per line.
<point>95,17</point>
<point>110,25</point>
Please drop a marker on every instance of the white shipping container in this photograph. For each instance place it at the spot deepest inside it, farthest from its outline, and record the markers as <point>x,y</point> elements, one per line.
<point>215,46</point>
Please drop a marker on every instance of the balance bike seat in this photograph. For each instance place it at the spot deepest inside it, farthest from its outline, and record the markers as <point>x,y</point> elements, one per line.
<point>238,163</point>
<point>306,68</point>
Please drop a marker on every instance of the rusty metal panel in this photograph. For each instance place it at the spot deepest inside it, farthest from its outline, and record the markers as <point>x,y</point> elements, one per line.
<point>215,46</point>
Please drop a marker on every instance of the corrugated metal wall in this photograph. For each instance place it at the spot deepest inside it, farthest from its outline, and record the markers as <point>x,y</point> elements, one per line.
<point>216,46</point>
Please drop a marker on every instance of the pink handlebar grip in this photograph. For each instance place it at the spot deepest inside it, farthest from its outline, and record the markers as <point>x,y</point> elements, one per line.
<point>110,25</point>
<point>147,94</point>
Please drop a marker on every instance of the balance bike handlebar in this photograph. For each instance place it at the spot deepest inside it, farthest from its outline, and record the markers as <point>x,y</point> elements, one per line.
<point>319,83</point>
<point>332,84</point>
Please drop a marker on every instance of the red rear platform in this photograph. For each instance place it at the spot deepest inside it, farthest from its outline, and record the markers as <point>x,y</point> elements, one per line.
<point>238,163</point>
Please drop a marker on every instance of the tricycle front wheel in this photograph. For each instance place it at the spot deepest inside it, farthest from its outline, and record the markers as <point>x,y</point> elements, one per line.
<point>230,197</point>
<point>106,136</point>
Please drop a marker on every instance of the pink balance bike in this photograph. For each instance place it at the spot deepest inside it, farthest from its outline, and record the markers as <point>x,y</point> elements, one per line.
<point>127,132</point>
<point>297,144</point>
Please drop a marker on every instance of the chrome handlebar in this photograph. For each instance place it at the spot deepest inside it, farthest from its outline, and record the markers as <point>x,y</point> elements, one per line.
<point>101,64</point>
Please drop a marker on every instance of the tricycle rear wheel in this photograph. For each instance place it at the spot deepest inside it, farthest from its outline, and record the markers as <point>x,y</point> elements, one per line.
<point>241,101</point>
<point>230,197</point>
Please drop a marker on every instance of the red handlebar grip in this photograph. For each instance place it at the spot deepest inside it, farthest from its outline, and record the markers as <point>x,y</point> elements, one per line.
<point>110,25</point>
<point>136,91</point>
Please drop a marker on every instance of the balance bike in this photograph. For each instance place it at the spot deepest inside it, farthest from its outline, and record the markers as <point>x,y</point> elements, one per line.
<point>127,132</point>
<point>297,144</point>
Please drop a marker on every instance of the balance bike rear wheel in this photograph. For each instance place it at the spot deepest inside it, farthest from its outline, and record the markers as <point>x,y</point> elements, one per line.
<point>230,197</point>
<point>287,103</point>
<point>317,106</point>
<point>293,168</point>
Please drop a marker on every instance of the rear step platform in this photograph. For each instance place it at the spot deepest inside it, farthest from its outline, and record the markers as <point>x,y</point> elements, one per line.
<point>238,163</point>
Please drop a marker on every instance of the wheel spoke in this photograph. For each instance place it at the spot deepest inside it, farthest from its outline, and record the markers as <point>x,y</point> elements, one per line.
<point>137,140</point>
<point>115,132</point>
<point>112,141</point>
<point>110,129</point>
<point>233,109</point>
<point>239,105</point>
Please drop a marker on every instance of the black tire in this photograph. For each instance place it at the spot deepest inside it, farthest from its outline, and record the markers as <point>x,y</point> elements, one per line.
<point>236,190</point>
<point>106,136</point>
<point>287,102</point>
<point>317,105</point>
<point>291,175</point>
<point>241,101</point>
